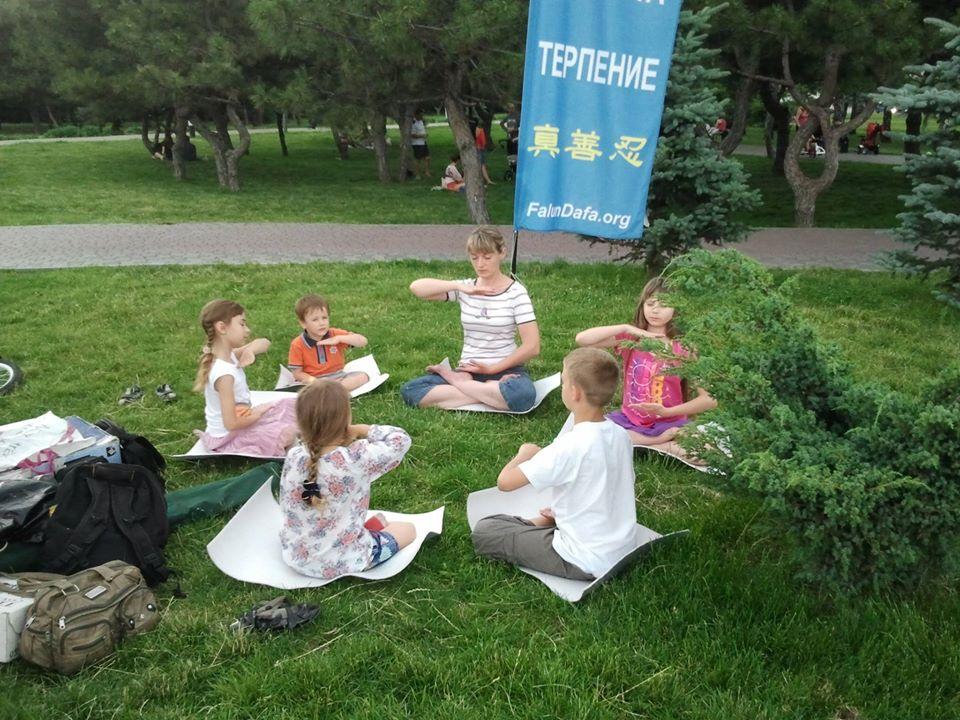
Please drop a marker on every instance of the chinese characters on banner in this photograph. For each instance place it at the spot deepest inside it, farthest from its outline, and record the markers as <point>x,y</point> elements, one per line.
<point>594,81</point>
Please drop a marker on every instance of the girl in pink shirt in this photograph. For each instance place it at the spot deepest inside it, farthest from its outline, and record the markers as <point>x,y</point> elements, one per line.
<point>653,408</point>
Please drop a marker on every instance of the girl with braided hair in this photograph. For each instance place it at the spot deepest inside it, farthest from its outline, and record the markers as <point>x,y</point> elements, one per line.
<point>234,427</point>
<point>325,488</point>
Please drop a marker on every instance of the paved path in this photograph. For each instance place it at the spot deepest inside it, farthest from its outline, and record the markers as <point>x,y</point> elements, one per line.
<point>60,246</point>
<point>888,159</point>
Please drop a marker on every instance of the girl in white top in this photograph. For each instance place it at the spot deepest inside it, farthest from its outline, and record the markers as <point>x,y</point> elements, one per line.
<point>234,427</point>
<point>325,488</point>
<point>494,308</point>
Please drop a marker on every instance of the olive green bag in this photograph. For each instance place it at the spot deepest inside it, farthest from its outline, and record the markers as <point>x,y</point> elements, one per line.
<point>77,620</point>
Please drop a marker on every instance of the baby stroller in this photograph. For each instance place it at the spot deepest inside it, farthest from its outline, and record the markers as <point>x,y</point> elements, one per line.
<point>513,150</point>
<point>871,141</point>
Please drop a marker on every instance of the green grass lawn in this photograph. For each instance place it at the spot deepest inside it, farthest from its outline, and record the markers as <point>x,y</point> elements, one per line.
<point>116,182</point>
<point>714,627</point>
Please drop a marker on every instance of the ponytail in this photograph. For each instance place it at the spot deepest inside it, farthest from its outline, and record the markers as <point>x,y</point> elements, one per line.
<point>213,312</point>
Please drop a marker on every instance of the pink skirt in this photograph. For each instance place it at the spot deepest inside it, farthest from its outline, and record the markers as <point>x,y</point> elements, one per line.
<point>269,436</point>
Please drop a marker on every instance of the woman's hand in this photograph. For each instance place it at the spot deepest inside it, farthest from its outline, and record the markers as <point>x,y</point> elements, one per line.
<point>476,368</point>
<point>475,290</point>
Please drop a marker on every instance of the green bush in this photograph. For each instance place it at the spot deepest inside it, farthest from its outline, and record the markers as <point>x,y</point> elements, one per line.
<point>67,131</point>
<point>866,478</point>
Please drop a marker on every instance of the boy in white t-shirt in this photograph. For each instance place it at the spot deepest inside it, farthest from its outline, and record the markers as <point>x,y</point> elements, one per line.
<point>592,520</point>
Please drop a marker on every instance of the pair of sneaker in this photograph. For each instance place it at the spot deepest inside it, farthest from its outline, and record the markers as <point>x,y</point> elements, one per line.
<point>134,393</point>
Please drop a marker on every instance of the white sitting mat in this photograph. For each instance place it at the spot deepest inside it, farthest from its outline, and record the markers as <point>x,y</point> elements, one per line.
<point>653,448</point>
<point>257,397</point>
<point>544,386</point>
<point>248,547</point>
<point>365,364</point>
<point>526,502</point>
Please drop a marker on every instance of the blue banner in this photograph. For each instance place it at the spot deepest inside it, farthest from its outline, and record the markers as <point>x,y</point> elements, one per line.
<point>594,81</point>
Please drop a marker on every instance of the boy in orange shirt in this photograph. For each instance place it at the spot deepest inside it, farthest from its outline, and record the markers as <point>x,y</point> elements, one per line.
<point>319,351</point>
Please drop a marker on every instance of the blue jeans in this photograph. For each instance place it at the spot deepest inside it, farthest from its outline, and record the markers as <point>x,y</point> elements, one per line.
<point>385,546</point>
<point>518,392</point>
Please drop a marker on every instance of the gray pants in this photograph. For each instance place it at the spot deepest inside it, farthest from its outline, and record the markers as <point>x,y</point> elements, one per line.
<point>520,542</point>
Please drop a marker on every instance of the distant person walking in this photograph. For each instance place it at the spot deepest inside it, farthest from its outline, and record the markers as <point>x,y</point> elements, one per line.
<point>418,141</point>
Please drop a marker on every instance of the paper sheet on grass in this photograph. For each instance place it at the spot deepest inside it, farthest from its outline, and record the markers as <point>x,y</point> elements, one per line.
<point>526,502</point>
<point>365,364</point>
<point>257,397</point>
<point>543,386</point>
<point>248,547</point>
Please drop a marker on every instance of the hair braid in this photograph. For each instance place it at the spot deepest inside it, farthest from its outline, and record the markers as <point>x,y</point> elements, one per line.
<point>310,482</point>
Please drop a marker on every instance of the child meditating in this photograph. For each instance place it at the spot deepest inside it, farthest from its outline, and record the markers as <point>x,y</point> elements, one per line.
<point>493,309</point>
<point>325,488</point>
<point>591,522</point>
<point>320,350</point>
<point>653,408</point>
<point>233,426</point>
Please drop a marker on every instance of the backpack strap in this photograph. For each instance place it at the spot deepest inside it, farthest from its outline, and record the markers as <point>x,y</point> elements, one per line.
<point>90,527</point>
<point>152,562</point>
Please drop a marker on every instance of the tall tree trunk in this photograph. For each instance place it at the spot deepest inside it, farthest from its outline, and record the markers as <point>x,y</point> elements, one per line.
<point>53,120</point>
<point>281,133</point>
<point>466,144</point>
<point>35,119</point>
<point>405,121</point>
<point>223,126</point>
<point>342,142</point>
<point>233,156</point>
<point>807,190</point>
<point>378,127</point>
<point>914,123</point>
<point>145,134</point>
<point>747,62</point>
<point>179,154</point>
<point>741,113</point>
<point>887,119</point>
<point>768,134</point>
<point>781,121</point>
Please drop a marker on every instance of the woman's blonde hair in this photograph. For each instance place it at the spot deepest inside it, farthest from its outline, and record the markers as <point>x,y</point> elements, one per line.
<point>323,416</point>
<point>213,312</point>
<point>485,239</point>
<point>656,286</point>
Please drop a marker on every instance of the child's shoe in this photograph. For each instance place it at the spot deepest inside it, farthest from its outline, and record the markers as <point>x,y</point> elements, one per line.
<point>166,393</point>
<point>131,395</point>
<point>376,522</point>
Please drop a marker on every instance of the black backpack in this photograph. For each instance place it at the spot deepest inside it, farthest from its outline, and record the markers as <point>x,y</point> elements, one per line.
<point>134,449</point>
<point>106,511</point>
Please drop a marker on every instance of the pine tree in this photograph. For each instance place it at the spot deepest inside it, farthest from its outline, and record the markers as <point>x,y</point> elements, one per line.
<point>932,216</point>
<point>694,189</point>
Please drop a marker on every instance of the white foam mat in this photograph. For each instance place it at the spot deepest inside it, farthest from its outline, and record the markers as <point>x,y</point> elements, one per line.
<point>248,547</point>
<point>653,448</point>
<point>526,503</point>
<point>365,364</point>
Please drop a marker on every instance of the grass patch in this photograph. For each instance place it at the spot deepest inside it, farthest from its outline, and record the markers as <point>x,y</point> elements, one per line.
<point>116,182</point>
<point>713,628</point>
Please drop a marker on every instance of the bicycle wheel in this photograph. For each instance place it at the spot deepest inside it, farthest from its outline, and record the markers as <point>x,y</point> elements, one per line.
<point>10,376</point>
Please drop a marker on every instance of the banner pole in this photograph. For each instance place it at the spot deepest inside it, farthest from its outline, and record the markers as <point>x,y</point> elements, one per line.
<point>513,261</point>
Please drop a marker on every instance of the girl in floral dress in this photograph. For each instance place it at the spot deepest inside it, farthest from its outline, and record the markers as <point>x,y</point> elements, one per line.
<point>325,488</point>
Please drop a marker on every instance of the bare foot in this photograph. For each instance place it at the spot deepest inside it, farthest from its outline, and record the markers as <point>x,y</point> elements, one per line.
<point>673,448</point>
<point>449,374</point>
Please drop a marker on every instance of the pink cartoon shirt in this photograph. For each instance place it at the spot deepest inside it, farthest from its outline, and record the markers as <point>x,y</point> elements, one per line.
<point>645,381</point>
<point>330,541</point>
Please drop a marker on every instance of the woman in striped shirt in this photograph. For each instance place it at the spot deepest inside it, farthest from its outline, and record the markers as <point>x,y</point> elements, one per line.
<point>493,309</point>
